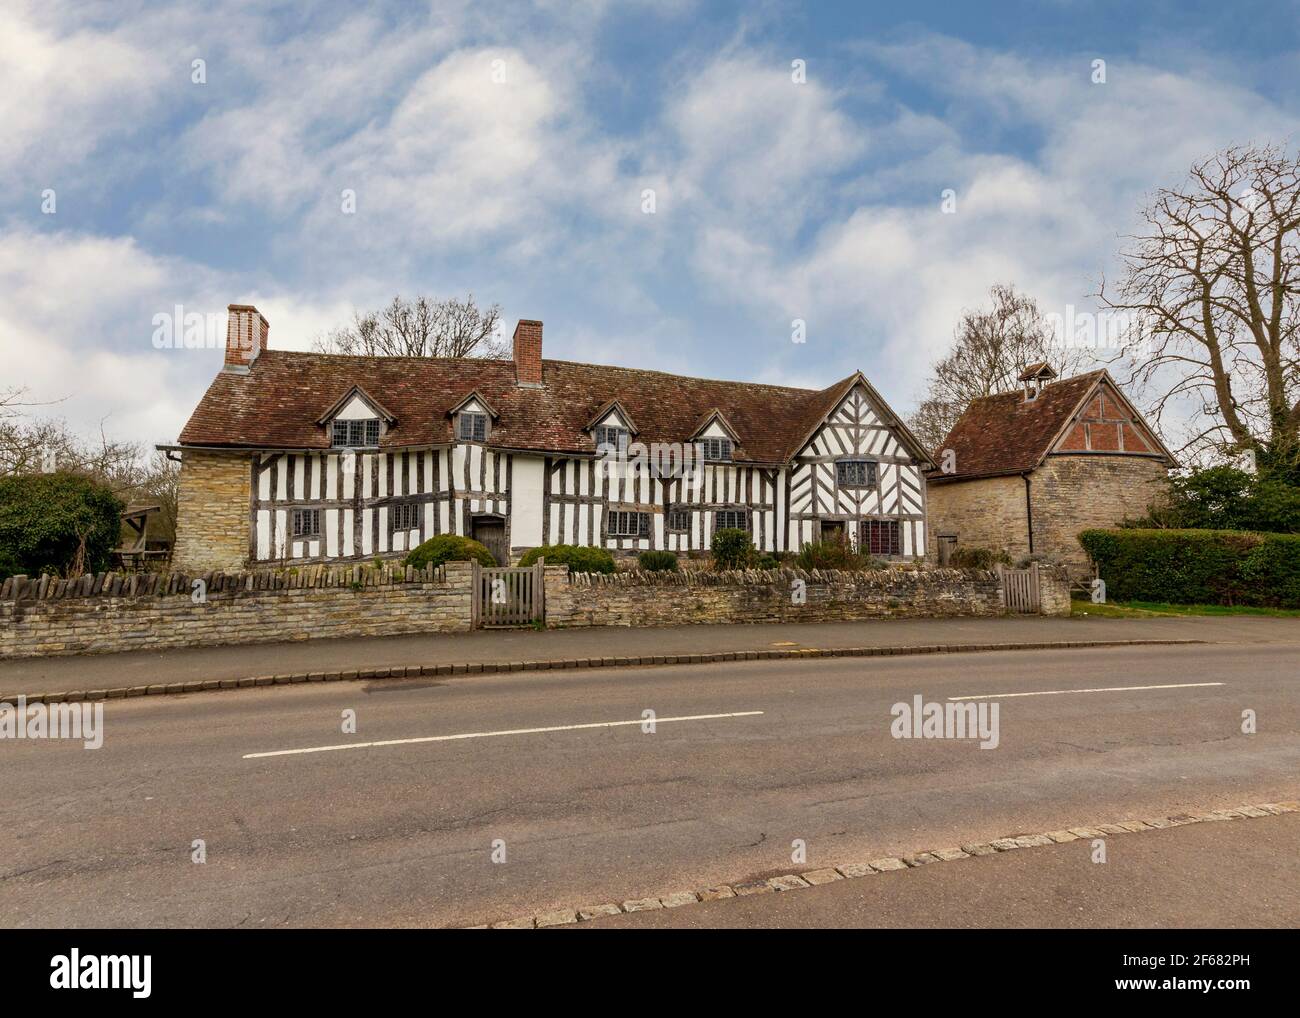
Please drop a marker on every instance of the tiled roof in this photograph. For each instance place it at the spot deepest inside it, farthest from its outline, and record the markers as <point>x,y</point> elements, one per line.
<point>278,402</point>
<point>1004,434</point>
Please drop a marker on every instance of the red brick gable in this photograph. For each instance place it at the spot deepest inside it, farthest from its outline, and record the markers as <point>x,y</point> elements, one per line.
<point>279,401</point>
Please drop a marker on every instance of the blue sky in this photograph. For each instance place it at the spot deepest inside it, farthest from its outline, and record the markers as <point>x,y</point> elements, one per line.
<point>504,149</point>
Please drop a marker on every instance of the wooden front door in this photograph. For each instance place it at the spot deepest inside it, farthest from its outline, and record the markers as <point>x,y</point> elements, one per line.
<point>490,531</point>
<point>833,530</point>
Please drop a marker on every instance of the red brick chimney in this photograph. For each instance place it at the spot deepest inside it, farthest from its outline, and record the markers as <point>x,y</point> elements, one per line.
<point>528,352</point>
<point>246,335</point>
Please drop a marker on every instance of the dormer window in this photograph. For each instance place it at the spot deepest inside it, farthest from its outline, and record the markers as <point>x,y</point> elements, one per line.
<point>717,450</point>
<point>356,421</point>
<point>355,434</point>
<point>614,438</point>
<point>471,426</point>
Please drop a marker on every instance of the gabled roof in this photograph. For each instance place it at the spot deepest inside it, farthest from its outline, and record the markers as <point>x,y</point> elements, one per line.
<point>347,397</point>
<point>714,415</point>
<point>1007,434</point>
<point>277,403</point>
<point>604,412</point>
<point>1037,370</point>
<point>476,397</point>
<point>831,397</point>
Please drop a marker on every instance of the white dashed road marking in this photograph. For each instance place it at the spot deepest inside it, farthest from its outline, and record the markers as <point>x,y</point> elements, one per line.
<point>488,735</point>
<point>1107,689</point>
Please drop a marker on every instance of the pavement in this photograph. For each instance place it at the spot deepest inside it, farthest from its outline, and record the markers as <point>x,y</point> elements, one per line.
<point>142,668</point>
<point>472,799</point>
<point>1182,877</point>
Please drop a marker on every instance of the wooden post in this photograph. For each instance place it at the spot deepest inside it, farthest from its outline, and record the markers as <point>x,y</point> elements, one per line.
<point>539,590</point>
<point>474,583</point>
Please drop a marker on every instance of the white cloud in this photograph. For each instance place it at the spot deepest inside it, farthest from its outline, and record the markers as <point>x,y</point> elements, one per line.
<point>62,95</point>
<point>889,279</point>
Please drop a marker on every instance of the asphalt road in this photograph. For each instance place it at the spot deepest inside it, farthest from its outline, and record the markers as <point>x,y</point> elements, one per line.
<point>404,833</point>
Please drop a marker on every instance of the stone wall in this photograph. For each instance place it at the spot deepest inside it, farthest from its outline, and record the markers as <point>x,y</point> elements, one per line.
<point>111,612</point>
<point>670,599</point>
<point>212,512</point>
<point>1067,495</point>
<point>984,513</point>
<point>1070,494</point>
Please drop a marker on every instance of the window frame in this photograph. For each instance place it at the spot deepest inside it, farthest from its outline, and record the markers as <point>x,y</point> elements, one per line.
<point>725,446</point>
<point>295,518</point>
<point>401,507</point>
<point>623,437</point>
<point>467,416</point>
<point>891,527</point>
<point>357,433</point>
<point>673,511</point>
<point>643,524</point>
<point>871,470</point>
<point>746,514</point>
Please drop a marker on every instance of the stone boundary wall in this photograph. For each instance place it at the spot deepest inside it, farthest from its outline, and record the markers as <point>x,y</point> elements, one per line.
<point>108,612</point>
<point>637,598</point>
<point>112,612</point>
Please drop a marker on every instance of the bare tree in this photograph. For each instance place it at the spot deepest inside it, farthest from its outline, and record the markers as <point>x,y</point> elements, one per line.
<point>420,328</point>
<point>1213,283</point>
<point>991,348</point>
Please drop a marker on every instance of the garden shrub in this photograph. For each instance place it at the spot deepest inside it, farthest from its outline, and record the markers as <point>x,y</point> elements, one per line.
<point>657,561</point>
<point>448,548</point>
<point>59,523</point>
<point>1225,567</point>
<point>830,555</point>
<point>579,560</point>
<point>732,548</point>
<point>978,558</point>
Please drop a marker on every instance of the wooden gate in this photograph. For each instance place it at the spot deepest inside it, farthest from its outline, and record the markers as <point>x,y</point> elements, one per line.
<point>1020,588</point>
<point>508,597</point>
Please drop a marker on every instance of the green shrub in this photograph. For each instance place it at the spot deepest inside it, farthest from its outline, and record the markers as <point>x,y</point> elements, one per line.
<point>1225,498</point>
<point>579,560</point>
<point>62,523</point>
<point>1227,567</point>
<point>657,561</point>
<point>979,558</point>
<point>830,555</point>
<point>767,562</point>
<point>732,548</point>
<point>448,548</point>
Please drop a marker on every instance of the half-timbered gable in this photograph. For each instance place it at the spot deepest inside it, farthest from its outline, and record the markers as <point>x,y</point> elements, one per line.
<point>352,458</point>
<point>859,477</point>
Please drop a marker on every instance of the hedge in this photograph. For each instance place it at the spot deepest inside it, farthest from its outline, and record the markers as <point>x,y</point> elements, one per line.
<point>1226,567</point>
<point>579,560</point>
<point>45,518</point>
<point>448,548</point>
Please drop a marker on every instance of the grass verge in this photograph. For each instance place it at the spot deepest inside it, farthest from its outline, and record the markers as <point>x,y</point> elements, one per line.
<point>1152,609</point>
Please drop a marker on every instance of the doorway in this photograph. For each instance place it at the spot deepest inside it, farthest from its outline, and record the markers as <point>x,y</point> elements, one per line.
<point>490,531</point>
<point>833,530</point>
